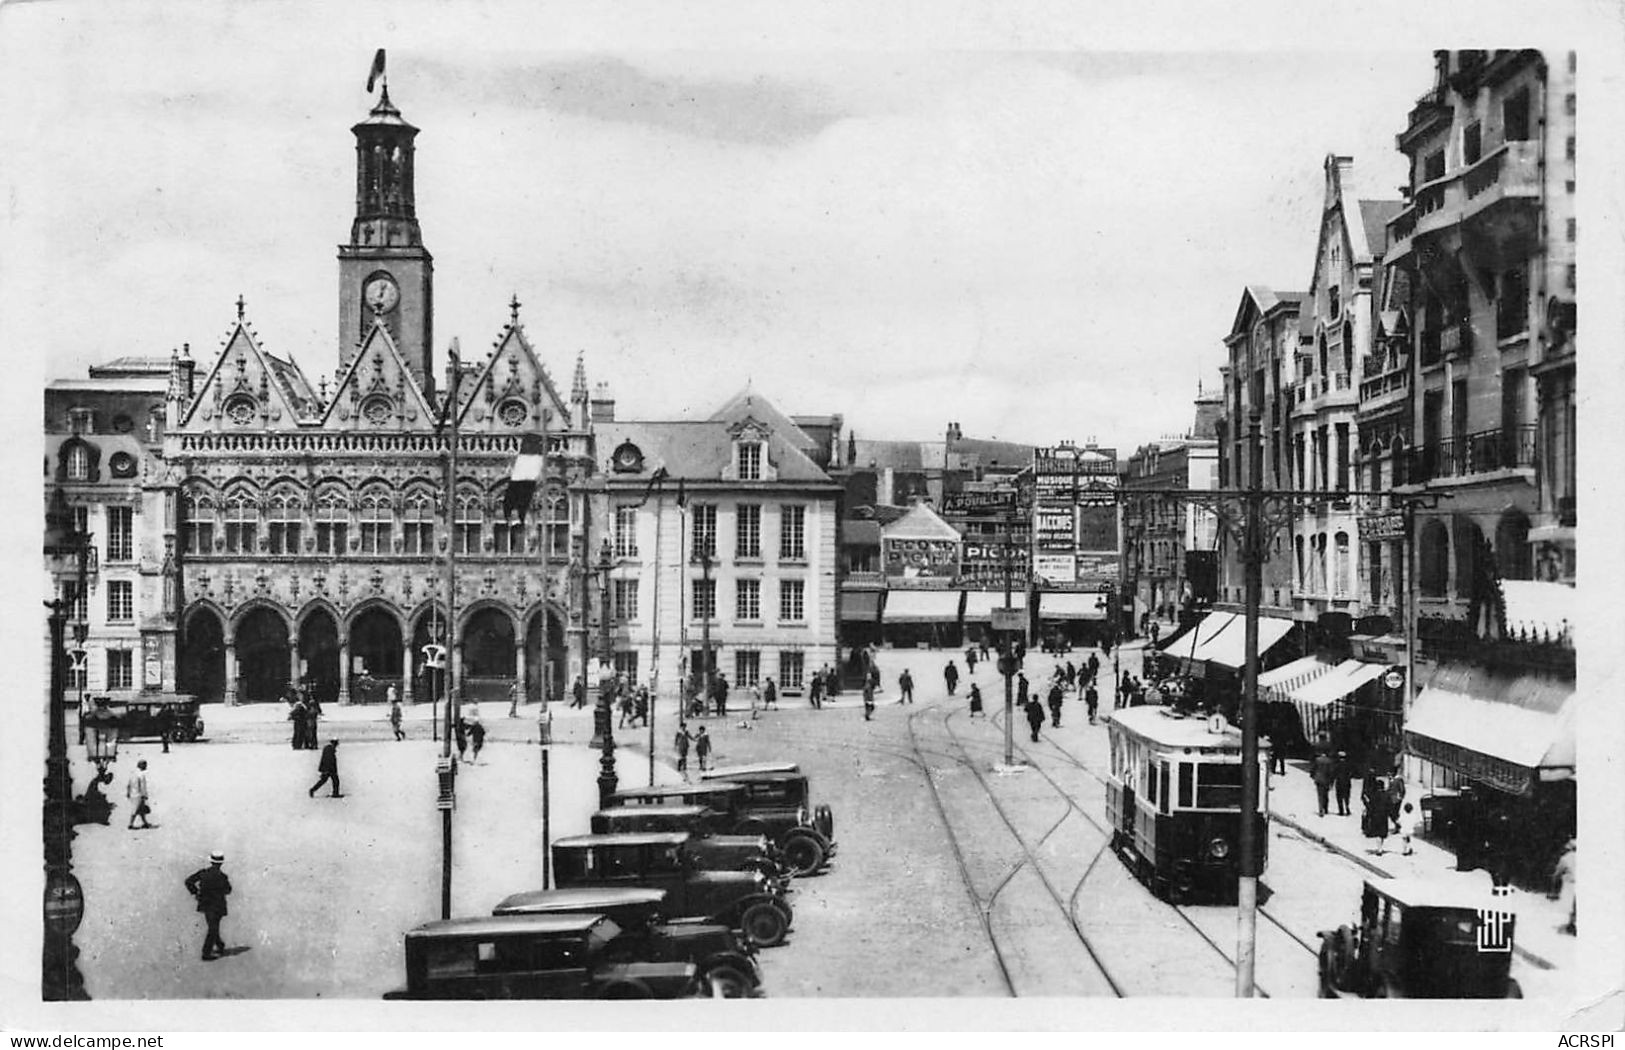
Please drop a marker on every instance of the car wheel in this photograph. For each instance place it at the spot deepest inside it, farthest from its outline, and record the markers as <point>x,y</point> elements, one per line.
<point>626,990</point>
<point>727,982</point>
<point>764,924</point>
<point>804,854</point>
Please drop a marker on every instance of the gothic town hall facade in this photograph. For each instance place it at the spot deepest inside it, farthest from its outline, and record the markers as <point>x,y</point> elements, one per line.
<point>311,531</point>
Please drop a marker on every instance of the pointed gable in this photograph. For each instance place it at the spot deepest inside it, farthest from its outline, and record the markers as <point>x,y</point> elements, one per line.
<point>511,391</point>
<point>920,523</point>
<point>376,391</point>
<point>748,403</point>
<point>249,389</point>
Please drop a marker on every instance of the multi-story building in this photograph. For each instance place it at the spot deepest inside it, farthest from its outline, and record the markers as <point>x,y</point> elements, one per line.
<point>1482,295</point>
<point>1159,536</point>
<point>1335,330</point>
<point>722,540</point>
<point>315,542</point>
<point>103,438</point>
<point>1261,348</point>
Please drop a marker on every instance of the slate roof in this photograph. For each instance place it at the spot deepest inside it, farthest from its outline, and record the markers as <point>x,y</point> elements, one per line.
<point>695,450</point>
<point>1374,217</point>
<point>897,455</point>
<point>750,403</point>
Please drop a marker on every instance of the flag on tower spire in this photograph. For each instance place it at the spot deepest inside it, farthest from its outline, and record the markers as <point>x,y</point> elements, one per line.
<point>377,70</point>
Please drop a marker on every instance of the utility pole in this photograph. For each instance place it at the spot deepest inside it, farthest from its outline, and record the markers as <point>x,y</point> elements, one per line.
<point>446,771</point>
<point>1254,550</point>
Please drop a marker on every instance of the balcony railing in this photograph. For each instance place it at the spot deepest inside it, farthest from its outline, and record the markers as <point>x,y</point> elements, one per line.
<point>1487,450</point>
<point>1401,226</point>
<point>1513,169</point>
<point>1372,389</point>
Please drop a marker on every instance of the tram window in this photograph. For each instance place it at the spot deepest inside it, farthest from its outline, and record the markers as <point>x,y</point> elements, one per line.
<point>1218,786</point>
<point>1164,795</point>
<point>1187,781</point>
<point>1151,782</point>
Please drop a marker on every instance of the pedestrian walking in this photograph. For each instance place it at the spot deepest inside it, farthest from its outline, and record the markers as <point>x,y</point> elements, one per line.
<point>1374,809</point>
<point>770,695</point>
<point>1035,717</point>
<point>313,718</point>
<point>211,888</point>
<point>1021,688</point>
<point>166,725</point>
<point>1094,666</point>
<point>1021,652</point>
<point>139,795</point>
<point>1071,674</point>
<point>755,701</point>
<point>391,694</point>
<point>395,716</point>
<point>328,767</point>
<point>1563,873</point>
<point>950,675</point>
<point>476,736</point>
<point>513,699</point>
<point>702,749</point>
<point>1323,771</point>
<point>1277,752</point>
<point>905,687</point>
<point>1343,782</point>
<point>459,732</point>
<point>970,659</point>
<point>296,715</point>
<point>1056,695</point>
<point>815,691</point>
<point>626,710</point>
<point>578,693</point>
<point>680,742</point>
<point>1091,700</point>
<point>720,684</point>
<point>1396,799</point>
<point>641,713</point>
<point>868,700</point>
<point>976,701</point>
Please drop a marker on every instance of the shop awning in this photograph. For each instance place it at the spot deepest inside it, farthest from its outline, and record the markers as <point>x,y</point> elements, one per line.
<point>921,606</point>
<point>860,606</point>
<point>1205,630</point>
<point>979,605</point>
<point>1279,683</point>
<point>1228,647</point>
<point>1342,680</point>
<point>1072,605</point>
<point>1493,728</point>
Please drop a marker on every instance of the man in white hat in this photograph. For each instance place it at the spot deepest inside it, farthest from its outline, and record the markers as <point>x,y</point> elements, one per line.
<point>211,887</point>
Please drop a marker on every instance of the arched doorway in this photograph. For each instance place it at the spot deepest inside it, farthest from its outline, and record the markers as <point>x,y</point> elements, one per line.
<point>319,655</point>
<point>1433,569</point>
<point>202,669</point>
<point>557,656</point>
<point>262,657</point>
<point>488,655</point>
<point>375,655</point>
<point>430,629</point>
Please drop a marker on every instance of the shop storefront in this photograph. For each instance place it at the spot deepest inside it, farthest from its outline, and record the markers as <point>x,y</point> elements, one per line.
<point>913,618</point>
<point>1072,617</point>
<point>978,613</point>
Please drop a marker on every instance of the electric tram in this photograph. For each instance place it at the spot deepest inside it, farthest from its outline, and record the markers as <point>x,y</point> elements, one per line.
<point>1174,801</point>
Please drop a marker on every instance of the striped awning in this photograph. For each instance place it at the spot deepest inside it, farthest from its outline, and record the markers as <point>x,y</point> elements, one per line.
<point>979,605</point>
<point>1342,680</point>
<point>1279,683</point>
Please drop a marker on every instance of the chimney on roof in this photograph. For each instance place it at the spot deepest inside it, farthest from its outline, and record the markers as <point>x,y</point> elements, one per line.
<point>954,433</point>
<point>603,406</point>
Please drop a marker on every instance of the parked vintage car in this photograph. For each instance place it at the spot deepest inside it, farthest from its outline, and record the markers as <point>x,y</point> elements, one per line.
<point>1421,940</point>
<point>747,901</point>
<point>144,717</point>
<point>726,963</point>
<point>536,957</point>
<point>711,851</point>
<point>776,801</point>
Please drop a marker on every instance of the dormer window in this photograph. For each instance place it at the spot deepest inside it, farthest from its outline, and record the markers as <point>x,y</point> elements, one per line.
<point>750,461</point>
<point>78,465</point>
<point>81,421</point>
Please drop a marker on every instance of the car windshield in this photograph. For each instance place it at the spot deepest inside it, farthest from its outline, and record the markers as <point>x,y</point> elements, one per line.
<point>601,934</point>
<point>1218,785</point>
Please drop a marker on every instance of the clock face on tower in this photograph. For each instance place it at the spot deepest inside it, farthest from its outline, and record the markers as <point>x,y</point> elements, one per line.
<point>381,293</point>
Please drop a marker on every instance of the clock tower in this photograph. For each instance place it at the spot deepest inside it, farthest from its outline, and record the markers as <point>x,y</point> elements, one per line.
<point>385,270</point>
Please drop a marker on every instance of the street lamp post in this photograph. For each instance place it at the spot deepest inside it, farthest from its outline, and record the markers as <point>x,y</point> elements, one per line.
<point>603,723</point>
<point>705,623</point>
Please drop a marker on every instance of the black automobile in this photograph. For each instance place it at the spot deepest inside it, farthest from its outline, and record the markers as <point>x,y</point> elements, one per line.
<point>726,964</point>
<point>1418,939</point>
<point>711,851</point>
<point>776,802</point>
<point>145,718</point>
<point>536,957</point>
<point>747,901</point>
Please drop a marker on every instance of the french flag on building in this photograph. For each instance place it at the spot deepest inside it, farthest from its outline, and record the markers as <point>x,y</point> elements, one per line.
<point>527,473</point>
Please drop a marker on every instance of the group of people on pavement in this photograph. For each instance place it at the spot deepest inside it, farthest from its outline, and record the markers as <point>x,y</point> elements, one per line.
<point>304,711</point>
<point>1384,811</point>
<point>700,740</point>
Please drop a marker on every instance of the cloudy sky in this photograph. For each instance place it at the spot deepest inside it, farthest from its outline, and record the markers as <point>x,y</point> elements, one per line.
<point>1042,236</point>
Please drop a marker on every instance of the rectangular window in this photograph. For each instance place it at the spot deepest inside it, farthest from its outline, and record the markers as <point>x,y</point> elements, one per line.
<point>376,522</point>
<point>1323,441</point>
<point>1472,143</point>
<point>748,531</point>
<point>750,462</point>
<point>705,599</point>
<point>748,600</point>
<point>790,668</point>
<point>1342,457</point>
<point>1187,779</point>
<point>558,527</point>
<point>626,600</point>
<point>121,533</point>
<point>705,530</point>
<point>332,528</point>
<point>241,519</point>
<point>626,532</point>
<point>282,531</point>
<point>1334,301</point>
<point>417,527</point>
<point>791,594</point>
<point>1433,166</point>
<point>1218,785</point>
<point>470,526</point>
<point>747,666</point>
<point>120,669</point>
<point>508,537</point>
<point>120,600</point>
<point>200,535</point>
<point>1512,304</point>
<point>1515,116</point>
<point>793,533</point>
<point>1570,227</point>
<point>78,609</point>
<point>627,663</point>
